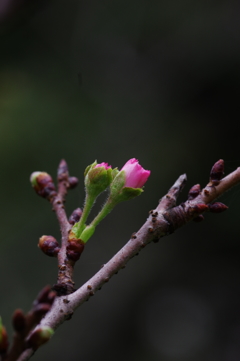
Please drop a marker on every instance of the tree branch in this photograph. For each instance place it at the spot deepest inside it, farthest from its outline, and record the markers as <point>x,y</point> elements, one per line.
<point>165,219</point>
<point>26,355</point>
<point>65,266</point>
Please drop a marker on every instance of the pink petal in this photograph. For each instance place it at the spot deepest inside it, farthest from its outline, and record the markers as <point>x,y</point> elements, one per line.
<point>136,175</point>
<point>105,165</point>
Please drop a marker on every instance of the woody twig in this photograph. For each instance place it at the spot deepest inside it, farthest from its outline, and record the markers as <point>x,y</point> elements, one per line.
<point>166,218</point>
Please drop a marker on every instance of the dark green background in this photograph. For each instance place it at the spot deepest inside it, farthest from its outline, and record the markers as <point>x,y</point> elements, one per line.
<point>113,80</point>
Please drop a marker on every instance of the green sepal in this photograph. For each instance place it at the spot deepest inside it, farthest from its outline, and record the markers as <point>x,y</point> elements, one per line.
<point>119,193</point>
<point>89,167</point>
<point>115,172</point>
<point>117,183</point>
<point>129,193</point>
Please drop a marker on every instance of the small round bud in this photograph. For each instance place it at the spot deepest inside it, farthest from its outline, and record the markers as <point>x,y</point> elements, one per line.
<point>75,216</point>
<point>217,172</point>
<point>49,246</point>
<point>75,248</point>
<point>39,337</point>
<point>43,184</point>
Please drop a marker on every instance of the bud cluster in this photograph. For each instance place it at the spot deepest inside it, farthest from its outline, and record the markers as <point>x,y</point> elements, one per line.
<point>23,324</point>
<point>198,209</point>
<point>41,306</point>
<point>216,175</point>
<point>43,303</point>
<point>123,185</point>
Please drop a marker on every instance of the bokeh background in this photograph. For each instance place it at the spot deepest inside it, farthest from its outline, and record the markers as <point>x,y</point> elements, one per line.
<point>113,80</point>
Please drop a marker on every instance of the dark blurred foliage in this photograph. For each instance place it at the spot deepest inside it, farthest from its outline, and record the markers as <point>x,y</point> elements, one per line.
<point>112,80</point>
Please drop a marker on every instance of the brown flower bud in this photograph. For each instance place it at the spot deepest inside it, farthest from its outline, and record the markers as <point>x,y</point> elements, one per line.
<point>75,216</point>
<point>19,321</point>
<point>217,207</point>
<point>194,191</point>
<point>62,170</point>
<point>75,248</point>
<point>43,184</point>
<point>49,246</point>
<point>217,172</point>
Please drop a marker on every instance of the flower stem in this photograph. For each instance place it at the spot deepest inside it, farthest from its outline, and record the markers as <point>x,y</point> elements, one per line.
<point>107,208</point>
<point>86,210</point>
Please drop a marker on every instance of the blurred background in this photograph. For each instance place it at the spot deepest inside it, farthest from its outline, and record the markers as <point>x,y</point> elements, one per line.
<point>113,80</point>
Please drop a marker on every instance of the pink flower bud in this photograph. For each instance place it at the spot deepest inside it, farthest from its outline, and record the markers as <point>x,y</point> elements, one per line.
<point>105,165</point>
<point>136,175</point>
